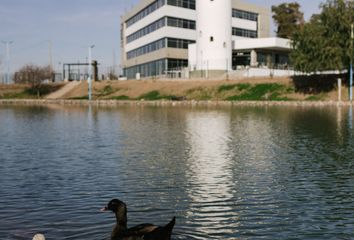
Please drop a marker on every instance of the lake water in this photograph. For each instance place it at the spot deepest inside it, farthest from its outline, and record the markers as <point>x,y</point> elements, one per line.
<point>225,173</point>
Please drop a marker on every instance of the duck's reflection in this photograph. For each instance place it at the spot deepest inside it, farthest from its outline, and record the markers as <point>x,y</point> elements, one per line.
<point>209,166</point>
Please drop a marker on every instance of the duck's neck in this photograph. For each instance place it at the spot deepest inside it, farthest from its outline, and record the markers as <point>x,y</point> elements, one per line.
<point>121,224</point>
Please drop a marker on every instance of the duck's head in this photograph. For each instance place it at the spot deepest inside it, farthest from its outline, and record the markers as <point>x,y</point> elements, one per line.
<point>116,206</point>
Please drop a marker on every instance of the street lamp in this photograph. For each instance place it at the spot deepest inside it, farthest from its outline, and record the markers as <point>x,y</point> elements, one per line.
<point>7,43</point>
<point>90,72</point>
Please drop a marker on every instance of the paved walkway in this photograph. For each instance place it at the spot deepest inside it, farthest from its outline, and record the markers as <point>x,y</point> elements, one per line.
<point>64,90</point>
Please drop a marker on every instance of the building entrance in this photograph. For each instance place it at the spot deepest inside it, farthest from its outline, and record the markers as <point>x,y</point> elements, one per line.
<point>241,60</point>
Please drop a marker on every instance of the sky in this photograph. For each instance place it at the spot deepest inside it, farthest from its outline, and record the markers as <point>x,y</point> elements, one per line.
<point>70,26</point>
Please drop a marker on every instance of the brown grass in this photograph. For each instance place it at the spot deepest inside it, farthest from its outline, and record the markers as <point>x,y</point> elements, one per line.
<point>193,88</point>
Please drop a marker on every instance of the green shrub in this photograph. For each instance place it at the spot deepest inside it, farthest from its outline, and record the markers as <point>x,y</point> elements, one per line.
<point>120,97</point>
<point>265,91</point>
<point>153,95</point>
<point>243,86</point>
<point>17,95</point>
<point>80,98</point>
<point>226,87</point>
<point>107,90</point>
<point>317,97</point>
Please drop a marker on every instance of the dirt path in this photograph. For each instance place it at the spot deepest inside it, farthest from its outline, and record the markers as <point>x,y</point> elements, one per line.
<point>63,91</point>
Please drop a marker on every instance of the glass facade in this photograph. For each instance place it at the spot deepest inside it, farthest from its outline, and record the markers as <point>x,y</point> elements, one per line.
<point>151,47</point>
<point>178,43</point>
<point>155,68</point>
<point>236,13</point>
<point>190,4</point>
<point>146,30</point>
<point>240,32</point>
<point>146,11</point>
<point>181,23</point>
<point>159,44</point>
<point>176,64</point>
<point>172,22</point>
<point>273,60</point>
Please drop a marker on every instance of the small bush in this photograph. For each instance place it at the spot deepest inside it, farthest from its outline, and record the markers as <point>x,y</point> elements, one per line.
<point>107,90</point>
<point>16,95</point>
<point>80,98</point>
<point>260,92</point>
<point>243,86</point>
<point>120,97</point>
<point>317,97</point>
<point>226,87</point>
<point>199,93</point>
<point>153,95</point>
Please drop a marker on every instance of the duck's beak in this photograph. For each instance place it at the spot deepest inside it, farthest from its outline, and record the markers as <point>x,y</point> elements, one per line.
<point>104,209</point>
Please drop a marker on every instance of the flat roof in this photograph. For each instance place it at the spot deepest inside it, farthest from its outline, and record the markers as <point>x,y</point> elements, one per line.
<point>273,43</point>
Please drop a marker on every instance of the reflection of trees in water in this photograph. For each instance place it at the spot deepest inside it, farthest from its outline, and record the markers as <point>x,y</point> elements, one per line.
<point>298,158</point>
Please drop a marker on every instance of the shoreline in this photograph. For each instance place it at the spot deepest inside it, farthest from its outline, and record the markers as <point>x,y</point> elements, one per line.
<point>173,103</point>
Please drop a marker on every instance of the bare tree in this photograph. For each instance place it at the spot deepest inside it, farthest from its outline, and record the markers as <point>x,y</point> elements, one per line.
<point>35,76</point>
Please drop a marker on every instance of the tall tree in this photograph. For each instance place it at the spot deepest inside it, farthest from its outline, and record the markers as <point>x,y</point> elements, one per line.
<point>324,42</point>
<point>288,18</point>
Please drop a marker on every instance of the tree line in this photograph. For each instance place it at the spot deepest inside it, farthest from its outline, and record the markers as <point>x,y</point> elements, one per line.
<point>322,43</point>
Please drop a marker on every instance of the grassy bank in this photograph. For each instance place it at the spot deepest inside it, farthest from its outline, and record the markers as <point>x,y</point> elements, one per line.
<point>281,89</point>
<point>23,91</point>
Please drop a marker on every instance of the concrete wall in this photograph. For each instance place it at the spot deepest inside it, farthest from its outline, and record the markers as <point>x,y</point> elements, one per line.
<point>213,35</point>
<point>263,18</point>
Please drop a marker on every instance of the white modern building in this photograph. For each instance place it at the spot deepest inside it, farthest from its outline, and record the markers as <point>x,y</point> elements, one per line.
<point>160,37</point>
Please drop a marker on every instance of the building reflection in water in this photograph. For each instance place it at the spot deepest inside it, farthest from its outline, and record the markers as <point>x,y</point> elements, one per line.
<point>209,176</point>
<point>350,118</point>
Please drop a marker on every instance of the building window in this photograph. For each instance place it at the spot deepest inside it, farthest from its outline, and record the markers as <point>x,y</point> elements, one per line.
<point>178,43</point>
<point>236,13</point>
<point>190,4</point>
<point>181,23</point>
<point>211,39</point>
<point>146,11</point>
<point>176,64</point>
<point>146,30</point>
<point>153,68</point>
<point>172,22</point>
<point>159,44</point>
<point>240,32</point>
<point>151,47</point>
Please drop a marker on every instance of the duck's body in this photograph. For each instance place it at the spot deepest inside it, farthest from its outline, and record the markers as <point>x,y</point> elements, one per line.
<point>140,232</point>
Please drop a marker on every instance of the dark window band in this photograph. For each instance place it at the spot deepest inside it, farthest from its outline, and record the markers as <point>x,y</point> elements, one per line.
<point>144,12</point>
<point>240,32</point>
<point>236,13</point>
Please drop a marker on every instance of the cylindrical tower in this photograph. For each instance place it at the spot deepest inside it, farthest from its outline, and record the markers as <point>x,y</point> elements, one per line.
<point>214,50</point>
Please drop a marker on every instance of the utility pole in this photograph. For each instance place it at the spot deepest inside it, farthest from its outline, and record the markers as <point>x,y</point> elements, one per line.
<point>90,72</point>
<point>7,43</point>
<point>50,55</point>
<point>114,63</point>
<point>351,64</point>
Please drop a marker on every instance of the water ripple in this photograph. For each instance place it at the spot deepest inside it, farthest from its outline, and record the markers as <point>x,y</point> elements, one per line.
<point>242,173</point>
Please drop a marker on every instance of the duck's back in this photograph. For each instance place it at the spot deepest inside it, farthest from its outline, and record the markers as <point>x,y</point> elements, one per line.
<point>161,233</point>
<point>147,232</point>
<point>135,233</point>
